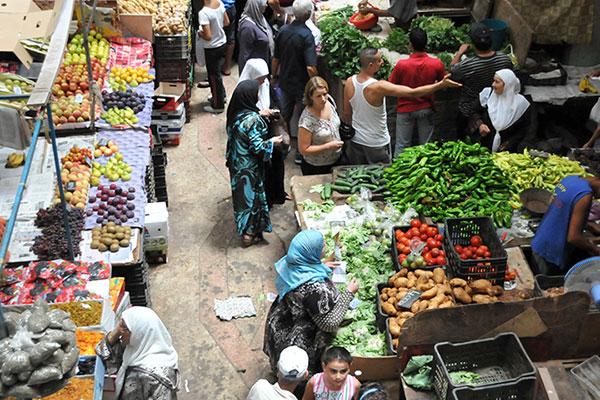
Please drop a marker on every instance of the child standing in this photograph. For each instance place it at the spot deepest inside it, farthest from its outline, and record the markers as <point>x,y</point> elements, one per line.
<point>212,19</point>
<point>335,382</point>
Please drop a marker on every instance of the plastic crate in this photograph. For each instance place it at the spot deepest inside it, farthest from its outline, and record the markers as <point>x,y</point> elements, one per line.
<point>172,70</point>
<point>171,139</point>
<point>588,375</point>
<point>543,282</point>
<point>395,254</point>
<point>459,231</point>
<point>523,389</point>
<point>497,360</point>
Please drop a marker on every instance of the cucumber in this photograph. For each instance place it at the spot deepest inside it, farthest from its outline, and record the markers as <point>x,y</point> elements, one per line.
<point>369,186</point>
<point>326,193</point>
<point>341,182</point>
<point>341,189</point>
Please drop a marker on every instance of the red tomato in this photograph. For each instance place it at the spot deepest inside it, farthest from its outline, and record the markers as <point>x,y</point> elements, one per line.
<point>476,241</point>
<point>406,250</point>
<point>439,237</point>
<point>487,254</point>
<point>440,260</point>
<point>424,228</point>
<point>415,232</point>
<point>427,256</point>
<point>463,256</point>
<point>404,240</point>
<point>399,234</point>
<point>423,237</point>
<point>431,243</point>
<point>402,257</point>
<point>468,254</point>
<point>435,252</point>
<point>480,251</point>
<point>485,248</point>
<point>415,223</point>
<point>399,247</point>
<point>438,244</point>
<point>458,248</point>
<point>425,250</point>
<point>442,253</point>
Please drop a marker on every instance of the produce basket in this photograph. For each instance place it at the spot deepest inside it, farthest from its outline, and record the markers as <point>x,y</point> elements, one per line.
<point>389,347</point>
<point>530,80</point>
<point>395,254</point>
<point>380,317</point>
<point>523,389</point>
<point>536,201</point>
<point>588,374</point>
<point>458,231</point>
<point>497,360</point>
<point>544,282</point>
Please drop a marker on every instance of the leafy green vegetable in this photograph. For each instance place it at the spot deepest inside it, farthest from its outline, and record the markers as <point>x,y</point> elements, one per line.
<point>326,207</point>
<point>442,34</point>
<point>342,42</point>
<point>368,261</point>
<point>464,377</point>
<point>398,41</point>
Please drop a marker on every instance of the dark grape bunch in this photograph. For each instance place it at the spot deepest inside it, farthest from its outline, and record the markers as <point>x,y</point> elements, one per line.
<point>52,243</point>
<point>112,203</point>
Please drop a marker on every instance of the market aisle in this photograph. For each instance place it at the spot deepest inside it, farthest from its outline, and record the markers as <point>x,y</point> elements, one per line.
<point>219,360</point>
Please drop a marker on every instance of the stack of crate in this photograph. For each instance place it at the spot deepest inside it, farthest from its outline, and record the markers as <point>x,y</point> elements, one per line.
<point>137,282</point>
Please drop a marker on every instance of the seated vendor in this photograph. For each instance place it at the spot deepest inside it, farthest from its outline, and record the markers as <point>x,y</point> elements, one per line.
<point>403,11</point>
<point>559,241</point>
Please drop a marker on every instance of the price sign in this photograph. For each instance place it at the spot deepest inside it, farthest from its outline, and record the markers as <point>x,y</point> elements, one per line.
<point>408,300</point>
<point>79,98</point>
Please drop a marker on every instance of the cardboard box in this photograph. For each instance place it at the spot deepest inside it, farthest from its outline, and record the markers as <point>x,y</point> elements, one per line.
<point>156,227</point>
<point>23,19</point>
<point>168,95</point>
<point>136,25</point>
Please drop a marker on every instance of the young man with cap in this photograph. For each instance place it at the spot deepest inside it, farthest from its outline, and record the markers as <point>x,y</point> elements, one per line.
<point>292,370</point>
<point>475,73</point>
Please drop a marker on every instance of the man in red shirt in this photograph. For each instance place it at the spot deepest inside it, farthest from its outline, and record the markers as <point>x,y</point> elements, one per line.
<point>417,70</point>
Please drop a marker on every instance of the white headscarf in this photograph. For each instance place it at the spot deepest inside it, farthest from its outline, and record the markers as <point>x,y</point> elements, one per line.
<point>254,69</point>
<point>504,109</point>
<point>149,345</point>
<point>253,11</point>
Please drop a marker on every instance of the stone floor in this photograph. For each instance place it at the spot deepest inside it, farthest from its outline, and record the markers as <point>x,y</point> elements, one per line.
<point>219,360</point>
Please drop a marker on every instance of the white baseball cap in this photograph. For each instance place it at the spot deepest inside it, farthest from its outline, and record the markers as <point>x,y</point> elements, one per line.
<point>293,363</point>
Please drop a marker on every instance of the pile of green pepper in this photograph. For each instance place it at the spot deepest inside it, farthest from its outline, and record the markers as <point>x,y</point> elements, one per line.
<point>449,180</point>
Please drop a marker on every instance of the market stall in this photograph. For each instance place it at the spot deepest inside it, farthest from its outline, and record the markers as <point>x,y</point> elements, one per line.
<point>83,211</point>
<point>475,278</point>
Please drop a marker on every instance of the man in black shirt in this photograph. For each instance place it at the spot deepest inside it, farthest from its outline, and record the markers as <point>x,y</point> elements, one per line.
<point>475,73</point>
<point>294,62</point>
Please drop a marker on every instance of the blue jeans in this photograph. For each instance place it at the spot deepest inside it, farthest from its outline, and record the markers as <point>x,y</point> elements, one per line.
<point>405,126</point>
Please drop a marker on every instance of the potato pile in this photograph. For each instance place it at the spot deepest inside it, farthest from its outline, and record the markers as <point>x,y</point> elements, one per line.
<point>171,17</point>
<point>137,6</point>
<point>437,292</point>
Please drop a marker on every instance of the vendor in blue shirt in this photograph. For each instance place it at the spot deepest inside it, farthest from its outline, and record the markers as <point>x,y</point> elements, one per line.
<point>559,241</point>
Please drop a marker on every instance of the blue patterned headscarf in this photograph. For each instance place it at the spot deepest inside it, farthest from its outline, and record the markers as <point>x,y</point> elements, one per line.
<point>302,263</point>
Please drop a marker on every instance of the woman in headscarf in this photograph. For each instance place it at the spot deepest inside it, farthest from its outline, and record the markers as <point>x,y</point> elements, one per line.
<point>255,36</point>
<point>257,69</point>
<point>248,148</point>
<point>309,308</point>
<point>140,347</point>
<point>508,115</point>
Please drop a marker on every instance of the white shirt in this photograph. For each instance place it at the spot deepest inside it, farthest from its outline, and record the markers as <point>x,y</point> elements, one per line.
<point>263,390</point>
<point>213,17</point>
<point>368,121</point>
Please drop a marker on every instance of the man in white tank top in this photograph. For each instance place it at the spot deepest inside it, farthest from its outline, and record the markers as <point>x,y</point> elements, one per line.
<point>364,109</point>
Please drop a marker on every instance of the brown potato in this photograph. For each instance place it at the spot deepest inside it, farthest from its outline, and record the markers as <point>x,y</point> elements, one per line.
<point>401,321</point>
<point>423,305</point>
<point>461,295</point>
<point>385,290</point>
<point>429,294</point>
<point>406,315</point>
<point>401,293</point>
<point>411,283</point>
<point>468,290</point>
<point>458,282</point>
<point>423,287</point>
<point>480,286</point>
<point>495,291</point>
<point>394,327</point>
<point>401,282</point>
<point>422,272</point>
<point>446,304</point>
<point>391,300</point>
<point>439,276</point>
<point>445,288</point>
<point>391,280</point>
<point>415,307</point>
<point>482,299</point>
<point>422,279</point>
<point>403,272</point>
<point>388,309</point>
<point>411,275</point>
<point>383,297</point>
<point>395,343</point>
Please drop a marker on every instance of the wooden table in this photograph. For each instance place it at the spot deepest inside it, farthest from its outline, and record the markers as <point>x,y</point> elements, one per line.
<point>300,186</point>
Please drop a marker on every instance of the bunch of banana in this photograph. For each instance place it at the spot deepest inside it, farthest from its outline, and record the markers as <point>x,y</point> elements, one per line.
<point>586,86</point>
<point>15,160</point>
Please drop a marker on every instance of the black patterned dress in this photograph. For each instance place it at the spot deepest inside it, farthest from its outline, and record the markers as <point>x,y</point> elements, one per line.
<point>306,317</point>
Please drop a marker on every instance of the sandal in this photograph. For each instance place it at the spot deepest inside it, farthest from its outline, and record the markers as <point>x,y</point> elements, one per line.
<point>249,240</point>
<point>288,197</point>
